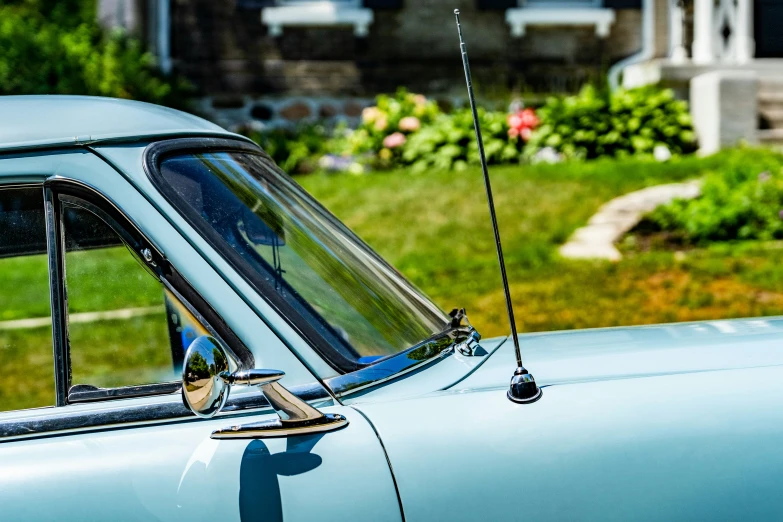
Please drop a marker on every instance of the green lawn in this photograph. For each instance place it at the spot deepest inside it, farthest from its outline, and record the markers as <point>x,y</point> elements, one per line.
<point>103,353</point>
<point>435,229</point>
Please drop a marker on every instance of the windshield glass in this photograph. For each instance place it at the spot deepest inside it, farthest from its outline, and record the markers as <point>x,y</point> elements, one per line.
<point>353,307</point>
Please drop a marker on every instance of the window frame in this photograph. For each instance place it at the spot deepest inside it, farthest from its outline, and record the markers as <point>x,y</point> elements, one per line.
<point>56,192</point>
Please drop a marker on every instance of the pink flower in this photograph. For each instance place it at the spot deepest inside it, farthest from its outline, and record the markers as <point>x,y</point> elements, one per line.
<point>392,141</point>
<point>529,118</point>
<point>381,123</point>
<point>420,99</point>
<point>513,133</point>
<point>410,124</point>
<point>523,122</point>
<point>370,114</point>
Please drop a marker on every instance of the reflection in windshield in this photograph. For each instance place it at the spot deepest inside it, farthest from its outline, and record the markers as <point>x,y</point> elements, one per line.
<point>299,257</point>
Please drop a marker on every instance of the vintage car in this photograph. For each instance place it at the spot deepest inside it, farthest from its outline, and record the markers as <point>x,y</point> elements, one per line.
<point>185,334</point>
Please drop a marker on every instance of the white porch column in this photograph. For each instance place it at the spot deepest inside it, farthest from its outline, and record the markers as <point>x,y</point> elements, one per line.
<point>703,33</point>
<point>677,51</point>
<point>745,41</point>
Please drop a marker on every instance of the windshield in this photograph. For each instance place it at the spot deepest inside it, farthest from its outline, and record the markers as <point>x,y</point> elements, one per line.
<point>348,303</point>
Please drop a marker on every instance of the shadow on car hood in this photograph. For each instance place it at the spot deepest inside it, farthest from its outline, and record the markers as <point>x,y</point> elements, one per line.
<point>637,351</point>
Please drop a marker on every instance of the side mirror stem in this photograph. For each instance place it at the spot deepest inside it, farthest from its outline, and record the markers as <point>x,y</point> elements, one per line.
<point>206,383</point>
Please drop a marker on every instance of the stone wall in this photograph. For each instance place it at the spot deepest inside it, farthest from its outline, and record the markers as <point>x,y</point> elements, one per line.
<point>225,51</point>
<point>234,112</point>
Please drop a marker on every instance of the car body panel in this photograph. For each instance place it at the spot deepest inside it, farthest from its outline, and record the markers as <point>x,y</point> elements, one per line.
<point>637,351</point>
<point>62,121</point>
<point>697,446</point>
<point>446,373</point>
<point>176,472</point>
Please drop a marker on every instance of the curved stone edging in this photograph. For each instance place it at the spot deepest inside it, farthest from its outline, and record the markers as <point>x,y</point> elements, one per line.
<point>596,239</point>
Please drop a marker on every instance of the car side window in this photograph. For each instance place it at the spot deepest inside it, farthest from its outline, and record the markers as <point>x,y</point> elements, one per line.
<point>26,359</point>
<point>124,327</point>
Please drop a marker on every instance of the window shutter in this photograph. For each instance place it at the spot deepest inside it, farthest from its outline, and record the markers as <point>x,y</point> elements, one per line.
<point>383,4</point>
<point>623,4</point>
<point>496,5</point>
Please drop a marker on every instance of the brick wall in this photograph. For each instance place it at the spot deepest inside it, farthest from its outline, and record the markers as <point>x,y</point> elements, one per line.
<point>225,51</point>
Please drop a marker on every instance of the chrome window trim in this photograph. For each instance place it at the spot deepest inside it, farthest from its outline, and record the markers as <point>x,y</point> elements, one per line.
<point>67,420</point>
<point>427,352</point>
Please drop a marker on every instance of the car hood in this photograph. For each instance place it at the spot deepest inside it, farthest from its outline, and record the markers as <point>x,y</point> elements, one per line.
<point>671,422</point>
<point>632,352</point>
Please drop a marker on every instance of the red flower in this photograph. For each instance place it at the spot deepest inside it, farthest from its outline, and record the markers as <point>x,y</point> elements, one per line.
<point>522,123</point>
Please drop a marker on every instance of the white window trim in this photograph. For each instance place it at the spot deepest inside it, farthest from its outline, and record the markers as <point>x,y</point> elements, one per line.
<point>313,14</point>
<point>542,13</point>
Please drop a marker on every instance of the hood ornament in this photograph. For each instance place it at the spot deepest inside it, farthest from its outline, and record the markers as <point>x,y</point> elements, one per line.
<point>523,387</point>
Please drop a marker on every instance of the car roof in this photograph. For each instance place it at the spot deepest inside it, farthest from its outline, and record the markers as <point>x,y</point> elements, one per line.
<point>59,121</point>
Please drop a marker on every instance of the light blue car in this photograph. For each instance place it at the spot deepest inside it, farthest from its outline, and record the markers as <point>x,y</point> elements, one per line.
<point>185,334</point>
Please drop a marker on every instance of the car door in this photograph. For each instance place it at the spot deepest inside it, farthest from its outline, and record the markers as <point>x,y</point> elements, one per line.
<point>101,298</point>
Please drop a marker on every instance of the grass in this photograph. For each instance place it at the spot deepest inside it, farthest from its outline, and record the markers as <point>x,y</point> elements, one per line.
<point>103,353</point>
<point>435,229</point>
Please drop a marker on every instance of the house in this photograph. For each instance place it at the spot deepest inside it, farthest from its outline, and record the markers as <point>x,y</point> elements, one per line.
<point>280,61</point>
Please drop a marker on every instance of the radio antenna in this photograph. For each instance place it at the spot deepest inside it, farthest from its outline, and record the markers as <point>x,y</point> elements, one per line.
<point>523,386</point>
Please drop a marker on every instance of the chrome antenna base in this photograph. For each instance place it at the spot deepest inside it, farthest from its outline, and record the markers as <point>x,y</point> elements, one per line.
<point>524,389</point>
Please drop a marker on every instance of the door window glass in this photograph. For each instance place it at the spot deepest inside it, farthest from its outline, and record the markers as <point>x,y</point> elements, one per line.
<point>125,328</point>
<point>26,360</point>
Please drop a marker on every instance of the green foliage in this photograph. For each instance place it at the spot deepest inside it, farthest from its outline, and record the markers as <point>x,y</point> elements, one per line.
<point>450,142</point>
<point>741,199</point>
<point>597,123</point>
<point>296,150</point>
<point>53,47</point>
<point>385,118</point>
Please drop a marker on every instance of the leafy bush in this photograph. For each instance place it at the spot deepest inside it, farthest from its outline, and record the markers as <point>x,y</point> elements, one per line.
<point>296,150</point>
<point>51,47</point>
<point>743,199</point>
<point>450,142</point>
<point>598,123</point>
<point>385,126</point>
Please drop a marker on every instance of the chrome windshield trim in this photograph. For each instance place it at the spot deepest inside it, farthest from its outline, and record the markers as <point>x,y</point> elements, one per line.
<point>427,352</point>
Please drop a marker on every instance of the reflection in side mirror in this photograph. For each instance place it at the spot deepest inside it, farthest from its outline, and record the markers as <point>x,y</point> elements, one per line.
<point>204,375</point>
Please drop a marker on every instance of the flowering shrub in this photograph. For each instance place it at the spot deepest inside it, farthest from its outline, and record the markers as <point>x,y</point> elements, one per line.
<point>450,142</point>
<point>409,129</point>
<point>596,123</point>
<point>741,200</point>
<point>385,126</point>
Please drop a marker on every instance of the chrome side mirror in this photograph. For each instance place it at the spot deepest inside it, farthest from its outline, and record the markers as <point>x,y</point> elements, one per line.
<point>204,387</point>
<point>206,383</point>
